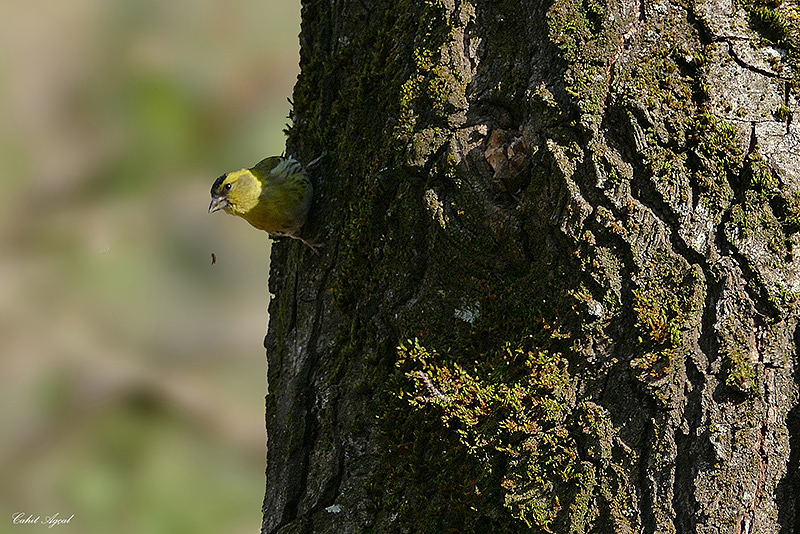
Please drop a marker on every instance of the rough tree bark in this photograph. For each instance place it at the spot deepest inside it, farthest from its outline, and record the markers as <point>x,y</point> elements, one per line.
<point>558,285</point>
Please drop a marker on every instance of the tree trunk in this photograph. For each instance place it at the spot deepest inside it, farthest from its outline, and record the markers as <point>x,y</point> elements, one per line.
<point>558,285</point>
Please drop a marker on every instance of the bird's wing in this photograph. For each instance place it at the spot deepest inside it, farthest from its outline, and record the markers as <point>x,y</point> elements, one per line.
<point>276,169</point>
<point>263,168</point>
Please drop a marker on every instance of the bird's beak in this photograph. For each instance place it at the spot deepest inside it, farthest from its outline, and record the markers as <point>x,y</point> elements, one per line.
<point>217,203</point>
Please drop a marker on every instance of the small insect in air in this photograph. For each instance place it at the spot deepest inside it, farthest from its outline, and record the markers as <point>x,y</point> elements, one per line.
<point>213,258</point>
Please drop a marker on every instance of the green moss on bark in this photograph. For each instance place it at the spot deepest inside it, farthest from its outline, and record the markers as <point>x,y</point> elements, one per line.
<point>513,307</point>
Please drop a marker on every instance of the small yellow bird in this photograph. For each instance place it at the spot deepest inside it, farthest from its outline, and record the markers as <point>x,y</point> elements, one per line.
<point>273,196</point>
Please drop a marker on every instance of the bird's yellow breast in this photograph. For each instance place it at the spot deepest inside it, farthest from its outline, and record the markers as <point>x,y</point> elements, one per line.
<point>280,208</point>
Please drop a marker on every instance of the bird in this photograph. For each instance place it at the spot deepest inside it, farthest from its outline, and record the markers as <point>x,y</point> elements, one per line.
<point>274,195</point>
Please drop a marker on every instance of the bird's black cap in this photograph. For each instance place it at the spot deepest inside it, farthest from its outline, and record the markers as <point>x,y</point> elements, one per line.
<point>215,189</point>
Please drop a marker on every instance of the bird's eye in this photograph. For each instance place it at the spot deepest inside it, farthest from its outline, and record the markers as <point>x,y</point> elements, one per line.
<point>227,187</point>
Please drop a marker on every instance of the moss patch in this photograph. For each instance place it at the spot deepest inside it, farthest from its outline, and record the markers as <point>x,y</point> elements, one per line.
<point>514,418</point>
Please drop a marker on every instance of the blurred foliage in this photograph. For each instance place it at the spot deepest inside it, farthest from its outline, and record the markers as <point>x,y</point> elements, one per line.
<point>132,378</point>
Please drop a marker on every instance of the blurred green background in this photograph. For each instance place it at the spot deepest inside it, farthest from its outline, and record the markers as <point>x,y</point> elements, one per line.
<point>133,375</point>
